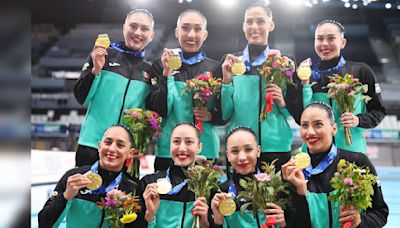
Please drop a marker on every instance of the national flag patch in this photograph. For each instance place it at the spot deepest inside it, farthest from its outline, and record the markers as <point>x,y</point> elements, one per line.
<point>146,76</point>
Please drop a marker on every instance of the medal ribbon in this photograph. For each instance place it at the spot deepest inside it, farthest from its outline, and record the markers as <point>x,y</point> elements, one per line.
<point>316,74</point>
<point>112,185</point>
<point>259,60</point>
<point>177,188</point>
<point>117,46</point>
<point>328,159</point>
<point>232,187</point>
<point>199,57</point>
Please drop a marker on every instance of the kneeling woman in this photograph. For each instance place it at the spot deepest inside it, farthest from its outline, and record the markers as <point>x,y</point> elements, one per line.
<point>242,152</point>
<point>71,199</point>
<point>176,206</point>
<point>313,183</point>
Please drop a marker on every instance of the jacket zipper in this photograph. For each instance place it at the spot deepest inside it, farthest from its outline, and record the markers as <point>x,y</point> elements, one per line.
<point>123,101</point>
<point>184,214</point>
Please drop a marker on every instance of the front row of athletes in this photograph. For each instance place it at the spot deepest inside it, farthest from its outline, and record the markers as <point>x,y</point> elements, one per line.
<point>308,208</point>
<point>308,196</point>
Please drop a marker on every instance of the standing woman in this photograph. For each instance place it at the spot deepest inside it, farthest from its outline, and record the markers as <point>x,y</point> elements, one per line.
<point>328,43</point>
<point>177,206</point>
<point>167,96</point>
<point>242,97</point>
<point>112,80</point>
<point>71,198</point>
<point>313,183</point>
<point>242,152</point>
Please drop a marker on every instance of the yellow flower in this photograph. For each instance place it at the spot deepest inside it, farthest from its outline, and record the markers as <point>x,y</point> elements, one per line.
<point>128,218</point>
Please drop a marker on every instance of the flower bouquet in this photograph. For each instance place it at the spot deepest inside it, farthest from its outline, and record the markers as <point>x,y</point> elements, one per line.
<point>277,70</point>
<point>344,89</point>
<point>203,178</point>
<point>353,185</point>
<point>121,208</point>
<point>202,87</point>
<point>143,125</point>
<point>261,189</point>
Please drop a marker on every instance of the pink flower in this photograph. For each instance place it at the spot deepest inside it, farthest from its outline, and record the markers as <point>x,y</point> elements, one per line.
<point>276,65</point>
<point>274,52</point>
<point>115,192</point>
<point>110,203</point>
<point>134,115</point>
<point>154,123</point>
<point>348,181</point>
<point>288,74</point>
<point>262,177</point>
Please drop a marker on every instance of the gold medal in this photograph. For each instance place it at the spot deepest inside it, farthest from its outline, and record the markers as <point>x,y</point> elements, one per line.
<point>304,72</point>
<point>95,179</point>
<point>227,207</point>
<point>302,160</point>
<point>238,68</point>
<point>102,41</point>
<point>174,62</point>
<point>163,186</point>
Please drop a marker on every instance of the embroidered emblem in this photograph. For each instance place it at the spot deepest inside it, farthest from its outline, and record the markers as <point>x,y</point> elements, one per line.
<point>85,66</point>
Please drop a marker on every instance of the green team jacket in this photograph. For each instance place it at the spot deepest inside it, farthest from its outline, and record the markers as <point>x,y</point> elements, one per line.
<point>123,83</point>
<point>370,115</point>
<point>323,213</point>
<point>241,103</point>
<point>174,210</point>
<point>168,97</point>
<point>82,210</point>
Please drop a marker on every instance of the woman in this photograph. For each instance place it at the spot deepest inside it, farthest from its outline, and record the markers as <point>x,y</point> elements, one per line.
<point>112,80</point>
<point>167,96</point>
<point>328,43</point>
<point>312,184</point>
<point>242,152</point>
<point>72,200</point>
<point>242,98</point>
<point>178,207</point>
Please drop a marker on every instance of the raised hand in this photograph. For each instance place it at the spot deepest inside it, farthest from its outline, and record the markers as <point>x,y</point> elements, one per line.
<point>201,209</point>
<point>227,68</point>
<point>164,60</point>
<point>277,212</point>
<point>295,176</point>
<point>74,184</point>
<point>152,201</point>
<point>99,58</point>
<point>276,92</point>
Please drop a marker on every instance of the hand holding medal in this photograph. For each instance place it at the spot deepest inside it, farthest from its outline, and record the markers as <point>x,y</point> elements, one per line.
<point>227,206</point>
<point>174,60</point>
<point>238,67</point>
<point>302,160</point>
<point>163,186</point>
<point>102,41</point>
<point>304,70</point>
<point>96,180</point>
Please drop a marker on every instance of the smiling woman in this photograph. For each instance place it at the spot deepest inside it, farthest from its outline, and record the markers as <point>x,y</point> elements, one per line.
<point>77,191</point>
<point>313,185</point>
<point>174,205</point>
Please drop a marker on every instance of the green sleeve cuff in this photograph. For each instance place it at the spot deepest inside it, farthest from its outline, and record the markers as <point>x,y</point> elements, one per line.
<point>153,223</point>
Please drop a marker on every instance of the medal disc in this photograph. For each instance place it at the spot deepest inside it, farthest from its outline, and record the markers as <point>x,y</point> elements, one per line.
<point>174,62</point>
<point>102,41</point>
<point>304,72</point>
<point>238,68</point>
<point>95,179</point>
<point>227,207</point>
<point>302,160</point>
<point>163,186</point>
